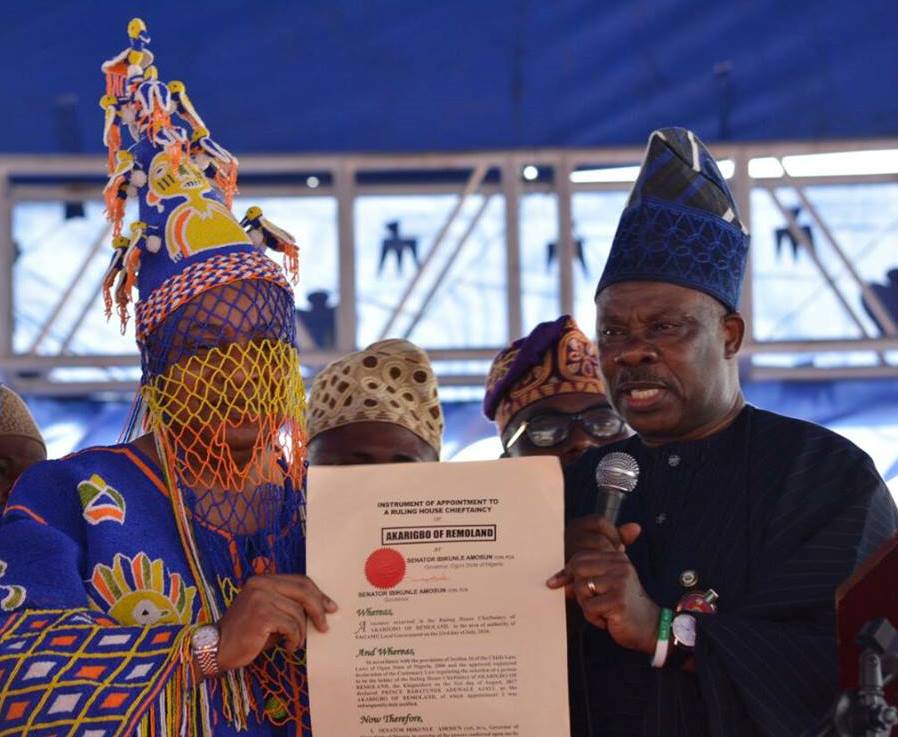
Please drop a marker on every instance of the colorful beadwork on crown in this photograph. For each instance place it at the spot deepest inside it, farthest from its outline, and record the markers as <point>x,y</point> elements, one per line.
<point>197,278</point>
<point>162,154</point>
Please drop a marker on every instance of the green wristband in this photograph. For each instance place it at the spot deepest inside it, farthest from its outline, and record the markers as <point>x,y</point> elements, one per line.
<point>660,656</point>
<point>664,624</point>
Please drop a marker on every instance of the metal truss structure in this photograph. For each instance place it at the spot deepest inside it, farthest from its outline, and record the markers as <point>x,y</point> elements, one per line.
<point>487,174</point>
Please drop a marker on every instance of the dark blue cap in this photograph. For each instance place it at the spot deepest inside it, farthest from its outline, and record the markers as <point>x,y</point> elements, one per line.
<point>681,224</point>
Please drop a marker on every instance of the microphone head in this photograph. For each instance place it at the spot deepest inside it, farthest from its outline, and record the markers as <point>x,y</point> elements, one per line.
<point>618,471</point>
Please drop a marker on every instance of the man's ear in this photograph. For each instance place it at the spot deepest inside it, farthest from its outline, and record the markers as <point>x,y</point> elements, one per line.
<point>733,333</point>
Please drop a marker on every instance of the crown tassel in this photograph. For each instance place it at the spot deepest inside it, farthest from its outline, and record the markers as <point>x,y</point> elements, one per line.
<point>113,144</point>
<point>112,135</point>
<point>216,162</point>
<point>119,244</point>
<point>121,275</point>
<point>226,180</point>
<point>265,234</point>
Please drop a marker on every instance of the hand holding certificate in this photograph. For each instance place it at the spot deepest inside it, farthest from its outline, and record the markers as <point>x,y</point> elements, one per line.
<point>446,626</point>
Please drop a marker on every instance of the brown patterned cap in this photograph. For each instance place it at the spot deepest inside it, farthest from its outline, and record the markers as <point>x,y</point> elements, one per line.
<point>556,358</point>
<point>15,418</point>
<point>389,381</point>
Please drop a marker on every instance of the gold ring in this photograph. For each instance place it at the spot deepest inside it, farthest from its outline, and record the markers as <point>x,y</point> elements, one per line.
<point>590,584</point>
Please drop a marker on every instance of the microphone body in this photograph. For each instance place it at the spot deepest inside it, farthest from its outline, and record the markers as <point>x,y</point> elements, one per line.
<point>616,476</point>
<point>608,503</point>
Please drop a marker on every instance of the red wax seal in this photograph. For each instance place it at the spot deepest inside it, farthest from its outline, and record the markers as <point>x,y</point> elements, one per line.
<point>385,568</point>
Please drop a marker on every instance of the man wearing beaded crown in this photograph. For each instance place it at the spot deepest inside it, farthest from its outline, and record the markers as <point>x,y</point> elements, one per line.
<point>157,587</point>
<point>710,609</point>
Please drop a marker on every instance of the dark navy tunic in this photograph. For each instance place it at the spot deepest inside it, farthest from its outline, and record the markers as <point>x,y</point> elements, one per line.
<point>772,513</point>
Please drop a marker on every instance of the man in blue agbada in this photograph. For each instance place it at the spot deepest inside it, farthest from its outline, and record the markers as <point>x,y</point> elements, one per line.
<point>156,587</point>
<point>710,609</point>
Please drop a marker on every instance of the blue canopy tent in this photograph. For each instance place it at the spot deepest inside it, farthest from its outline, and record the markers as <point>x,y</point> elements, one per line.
<point>401,75</point>
<point>407,76</point>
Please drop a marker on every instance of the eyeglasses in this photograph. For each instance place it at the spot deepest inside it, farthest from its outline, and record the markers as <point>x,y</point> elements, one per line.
<point>553,428</point>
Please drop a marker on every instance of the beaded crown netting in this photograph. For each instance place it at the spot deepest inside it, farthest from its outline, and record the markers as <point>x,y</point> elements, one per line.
<point>224,400</point>
<point>221,388</point>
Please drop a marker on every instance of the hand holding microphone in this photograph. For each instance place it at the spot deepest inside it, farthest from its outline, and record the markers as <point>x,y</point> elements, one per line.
<point>598,573</point>
<point>617,474</point>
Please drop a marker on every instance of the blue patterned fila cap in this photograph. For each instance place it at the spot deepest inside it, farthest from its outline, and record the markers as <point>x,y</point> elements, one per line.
<point>681,224</point>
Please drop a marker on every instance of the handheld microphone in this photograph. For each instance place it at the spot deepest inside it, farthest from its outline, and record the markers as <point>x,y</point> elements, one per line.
<point>616,475</point>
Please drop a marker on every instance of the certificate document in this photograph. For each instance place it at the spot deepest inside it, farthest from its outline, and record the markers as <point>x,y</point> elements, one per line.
<point>445,624</point>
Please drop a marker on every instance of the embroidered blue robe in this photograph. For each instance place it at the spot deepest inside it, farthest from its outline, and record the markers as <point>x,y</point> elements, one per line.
<point>772,513</point>
<point>98,599</point>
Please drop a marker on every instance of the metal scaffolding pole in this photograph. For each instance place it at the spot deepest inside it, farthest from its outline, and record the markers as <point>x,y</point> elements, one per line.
<point>741,188</point>
<point>802,238</point>
<point>347,318</point>
<point>18,184</point>
<point>474,182</point>
<point>434,288</point>
<point>565,235</point>
<point>82,316</point>
<point>95,248</point>
<point>511,189</point>
<point>873,301</point>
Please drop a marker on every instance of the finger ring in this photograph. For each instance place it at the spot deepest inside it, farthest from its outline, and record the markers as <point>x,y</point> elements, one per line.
<point>591,585</point>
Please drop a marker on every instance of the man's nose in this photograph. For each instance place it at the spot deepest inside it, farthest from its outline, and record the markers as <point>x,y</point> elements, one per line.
<point>243,369</point>
<point>635,352</point>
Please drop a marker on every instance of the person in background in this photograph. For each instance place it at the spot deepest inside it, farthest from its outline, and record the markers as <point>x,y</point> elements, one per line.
<point>709,610</point>
<point>546,396</point>
<point>379,405</point>
<point>21,444</point>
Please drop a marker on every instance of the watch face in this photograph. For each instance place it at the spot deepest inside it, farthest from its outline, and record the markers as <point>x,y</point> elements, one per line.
<point>204,637</point>
<point>683,628</point>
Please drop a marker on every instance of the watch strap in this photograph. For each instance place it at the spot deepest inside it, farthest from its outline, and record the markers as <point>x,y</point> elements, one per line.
<point>679,652</point>
<point>207,659</point>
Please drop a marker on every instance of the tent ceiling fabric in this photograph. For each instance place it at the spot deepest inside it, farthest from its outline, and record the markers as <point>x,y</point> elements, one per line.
<point>405,75</point>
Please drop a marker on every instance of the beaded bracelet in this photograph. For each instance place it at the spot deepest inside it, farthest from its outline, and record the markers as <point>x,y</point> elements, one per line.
<point>663,638</point>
